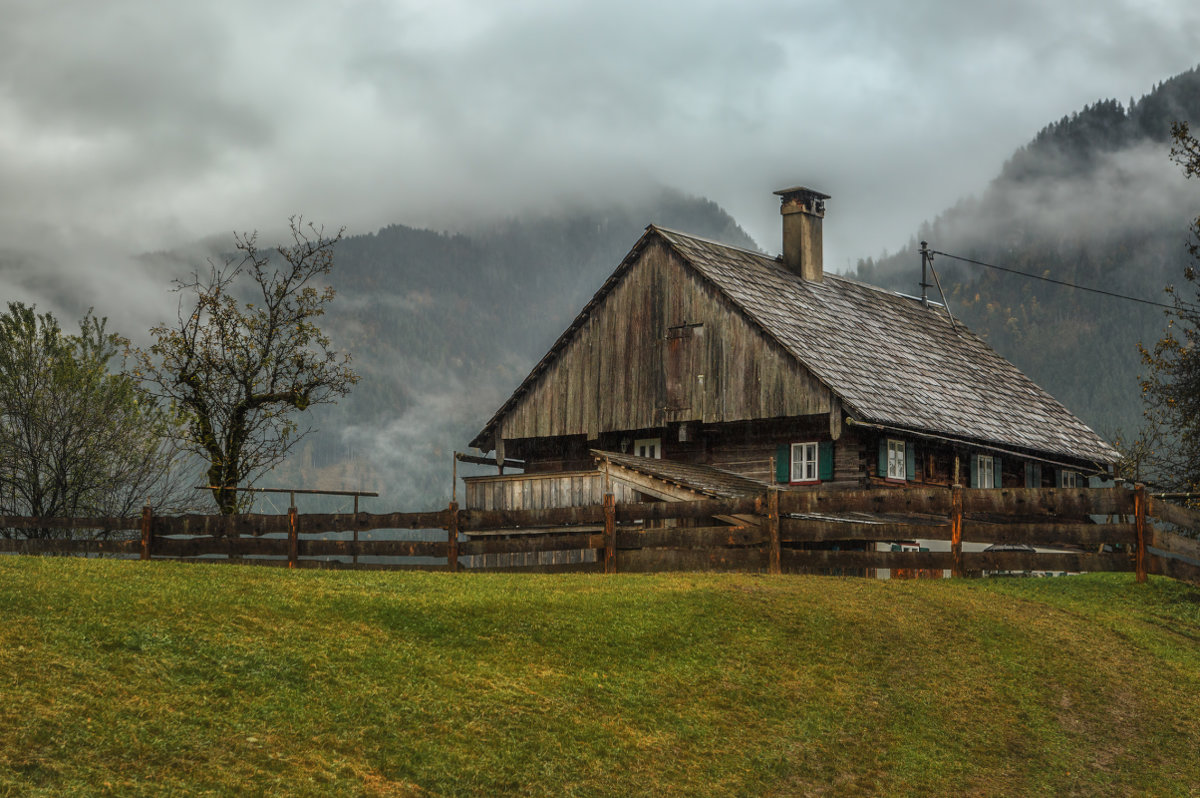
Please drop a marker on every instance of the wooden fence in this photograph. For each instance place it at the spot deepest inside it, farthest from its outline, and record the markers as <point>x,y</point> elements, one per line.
<point>783,531</point>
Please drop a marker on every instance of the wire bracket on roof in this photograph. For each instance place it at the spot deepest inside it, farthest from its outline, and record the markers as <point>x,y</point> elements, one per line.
<point>927,260</point>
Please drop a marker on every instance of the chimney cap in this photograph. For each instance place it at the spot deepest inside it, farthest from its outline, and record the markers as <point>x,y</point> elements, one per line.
<point>803,191</point>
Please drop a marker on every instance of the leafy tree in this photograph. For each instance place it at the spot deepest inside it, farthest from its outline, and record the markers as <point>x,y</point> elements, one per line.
<point>239,366</point>
<point>1171,389</point>
<point>77,439</point>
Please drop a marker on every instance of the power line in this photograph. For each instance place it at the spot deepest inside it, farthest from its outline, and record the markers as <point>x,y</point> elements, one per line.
<point>1052,280</point>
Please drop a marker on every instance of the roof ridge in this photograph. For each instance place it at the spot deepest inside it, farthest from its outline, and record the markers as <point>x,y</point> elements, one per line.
<point>778,259</point>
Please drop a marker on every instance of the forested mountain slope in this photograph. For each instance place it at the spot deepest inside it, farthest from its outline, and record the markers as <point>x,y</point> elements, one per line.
<point>443,326</point>
<point>1092,200</point>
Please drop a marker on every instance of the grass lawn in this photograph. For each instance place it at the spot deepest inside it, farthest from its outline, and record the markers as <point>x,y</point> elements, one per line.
<point>156,678</point>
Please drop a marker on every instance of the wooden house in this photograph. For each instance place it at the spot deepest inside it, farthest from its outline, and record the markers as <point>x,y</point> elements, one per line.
<point>703,370</point>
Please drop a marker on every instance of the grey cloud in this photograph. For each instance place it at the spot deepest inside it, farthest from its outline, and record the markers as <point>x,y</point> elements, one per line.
<point>153,122</point>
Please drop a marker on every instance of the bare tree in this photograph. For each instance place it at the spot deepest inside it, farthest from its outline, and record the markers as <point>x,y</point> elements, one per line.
<point>76,437</point>
<point>1171,386</point>
<point>239,364</point>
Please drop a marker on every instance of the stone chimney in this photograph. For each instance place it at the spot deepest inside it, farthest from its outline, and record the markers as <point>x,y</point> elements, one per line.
<point>802,210</point>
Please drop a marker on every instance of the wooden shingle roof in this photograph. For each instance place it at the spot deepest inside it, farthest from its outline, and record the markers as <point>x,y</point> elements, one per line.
<point>892,360</point>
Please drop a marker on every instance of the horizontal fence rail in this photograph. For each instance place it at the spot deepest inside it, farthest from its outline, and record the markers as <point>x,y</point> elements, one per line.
<point>779,531</point>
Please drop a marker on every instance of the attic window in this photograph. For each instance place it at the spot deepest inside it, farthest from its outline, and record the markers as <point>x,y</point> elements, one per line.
<point>1070,479</point>
<point>648,447</point>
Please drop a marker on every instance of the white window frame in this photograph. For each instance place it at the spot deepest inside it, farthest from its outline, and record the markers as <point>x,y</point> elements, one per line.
<point>806,467</point>
<point>897,460</point>
<point>985,471</point>
<point>1070,479</point>
<point>648,447</point>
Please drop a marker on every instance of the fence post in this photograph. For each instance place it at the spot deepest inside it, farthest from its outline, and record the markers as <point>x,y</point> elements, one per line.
<point>147,531</point>
<point>956,527</point>
<point>774,555</point>
<point>1139,517</point>
<point>293,538</point>
<point>610,533</point>
<point>452,537</point>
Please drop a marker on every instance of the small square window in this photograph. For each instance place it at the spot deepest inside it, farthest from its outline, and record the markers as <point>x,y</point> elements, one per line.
<point>1070,479</point>
<point>804,462</point>
<point>897,467</point>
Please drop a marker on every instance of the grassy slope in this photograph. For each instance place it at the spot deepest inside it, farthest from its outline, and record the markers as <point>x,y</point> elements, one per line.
<point>123,677</point>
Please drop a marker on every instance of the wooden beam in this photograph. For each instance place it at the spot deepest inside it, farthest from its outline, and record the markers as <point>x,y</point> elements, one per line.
<point>147,536</point>
<point>610,534</point>
<point>683,537</point>
<point>1070,502</point>
<point>594,514</point>
<point>488,461</point>
<point>913,501</point>
<point>1139,519</point>
<point>811,530</point>
<point>1176,569</point>
<point>805,559</point>
<point>452,537</point>
<point>59,546</point>
<point>532,544</point>
<point>1173,543</point>
<point>1185,517</point>
<point>774,546</point>
<point>1045,561</point>
<point>1051,534</point>
<point>956,532</point>
<point>101,524</point>
<point>653,560</point>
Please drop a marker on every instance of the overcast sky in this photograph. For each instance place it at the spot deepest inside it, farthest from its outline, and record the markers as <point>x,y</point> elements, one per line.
<point>152,122</point>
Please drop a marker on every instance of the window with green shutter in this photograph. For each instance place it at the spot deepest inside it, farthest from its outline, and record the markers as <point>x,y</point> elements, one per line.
<point>804,463</point>
<point>985,471</point>
<point>896,460</point>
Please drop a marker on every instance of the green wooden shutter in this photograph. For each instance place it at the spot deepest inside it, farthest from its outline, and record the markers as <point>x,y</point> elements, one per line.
<point>974,463</point>
<point>883,457</point>
<point>783,462</point>
<point>1058,480</point>
<point>996,471</point>
<point>825,460</point>
<point>910,461</point>
<point>1033,475</point>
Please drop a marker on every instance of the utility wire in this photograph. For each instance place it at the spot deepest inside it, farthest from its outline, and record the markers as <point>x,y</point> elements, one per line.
<point>1052,280</point>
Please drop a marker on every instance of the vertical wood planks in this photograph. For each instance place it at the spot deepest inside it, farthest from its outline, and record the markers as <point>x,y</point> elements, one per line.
<point>147,533</point>
<point>956,529</point>
<point>775,555</point>
<point>610,533</point>
<point>452,537</point>
<point>1139,517</point>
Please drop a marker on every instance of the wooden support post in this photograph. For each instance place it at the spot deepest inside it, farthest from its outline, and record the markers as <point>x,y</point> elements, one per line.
<point>452,537</point>
<point>774,555</point>
<point>293,538</point>
<point>956,528</point>
<point>354,559</point>
<point>610,533</point>
<point>1139,519</point>
<point>147,531</point>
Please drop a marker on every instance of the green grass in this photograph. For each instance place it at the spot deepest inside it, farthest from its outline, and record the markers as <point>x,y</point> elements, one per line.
<point>132,678</point>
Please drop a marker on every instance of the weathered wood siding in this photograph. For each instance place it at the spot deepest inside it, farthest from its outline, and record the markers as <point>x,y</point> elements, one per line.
<point>541,491</point>
<point>662,347</point>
